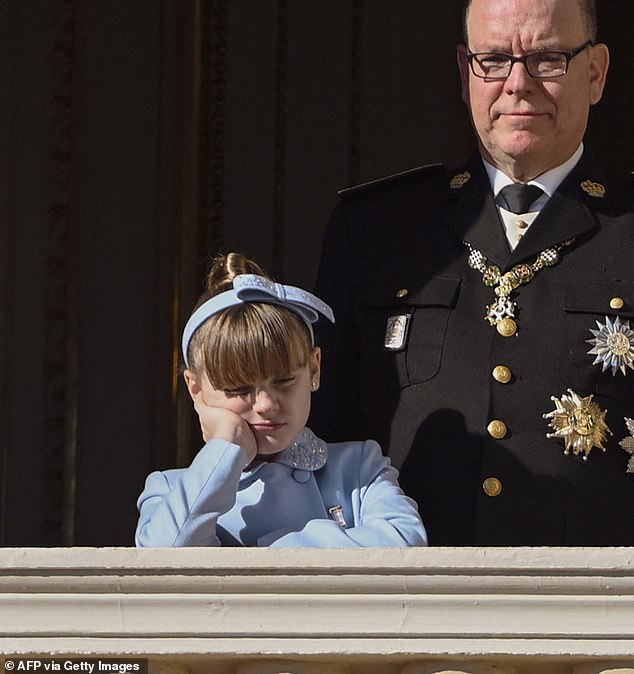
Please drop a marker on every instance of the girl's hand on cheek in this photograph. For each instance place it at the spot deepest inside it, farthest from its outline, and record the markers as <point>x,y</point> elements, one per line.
<point>217,423</point>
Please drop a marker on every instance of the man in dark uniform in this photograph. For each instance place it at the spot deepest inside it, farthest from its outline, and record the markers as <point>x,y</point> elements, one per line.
<point>484,335</point>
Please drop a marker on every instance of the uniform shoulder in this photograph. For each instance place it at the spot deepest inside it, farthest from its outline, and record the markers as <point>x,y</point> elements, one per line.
<point>626,179</point>
<point>622,189</point>
<point>417,174</point>
<point>627,187</point>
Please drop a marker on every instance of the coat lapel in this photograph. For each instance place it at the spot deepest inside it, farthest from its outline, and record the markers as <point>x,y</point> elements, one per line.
<point>472,214</point>
<point>569,213</point>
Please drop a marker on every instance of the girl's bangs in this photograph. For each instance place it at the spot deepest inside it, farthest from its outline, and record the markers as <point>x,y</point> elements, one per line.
<point>252,343</point>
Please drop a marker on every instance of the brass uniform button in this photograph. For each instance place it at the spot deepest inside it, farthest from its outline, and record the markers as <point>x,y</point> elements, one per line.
<point>402,292</point>
<point>507,327</point>
<point>616,303</point>
<point>497,429</point>
<point>492,486</point>
<point>502,374</point>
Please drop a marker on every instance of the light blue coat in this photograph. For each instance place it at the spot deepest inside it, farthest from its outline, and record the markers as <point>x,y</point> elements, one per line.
<point>283,502</point>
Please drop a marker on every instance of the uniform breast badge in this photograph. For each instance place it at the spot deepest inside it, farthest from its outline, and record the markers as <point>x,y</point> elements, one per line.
<point>613,345</point>
<point>628,444</point>
<point>580,422</point>
<point>396,332</point>
<point>501,313</point>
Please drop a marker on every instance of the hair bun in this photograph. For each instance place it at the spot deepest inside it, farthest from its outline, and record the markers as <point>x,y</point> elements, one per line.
<point>225,268</point>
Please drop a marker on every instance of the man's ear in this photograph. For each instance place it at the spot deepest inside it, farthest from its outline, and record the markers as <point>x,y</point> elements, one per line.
<point>191,382</point>
<point>463,67</point>
<point>599,64</point>
<point>315,368</point>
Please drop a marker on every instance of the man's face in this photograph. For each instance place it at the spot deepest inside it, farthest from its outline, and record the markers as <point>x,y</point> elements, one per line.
<point>526,125</point>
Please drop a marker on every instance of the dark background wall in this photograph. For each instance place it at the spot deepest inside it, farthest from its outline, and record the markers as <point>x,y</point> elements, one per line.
<point>138,138</point>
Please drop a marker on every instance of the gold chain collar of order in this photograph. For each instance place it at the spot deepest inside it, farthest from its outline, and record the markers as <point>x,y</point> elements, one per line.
<point>501,313</point>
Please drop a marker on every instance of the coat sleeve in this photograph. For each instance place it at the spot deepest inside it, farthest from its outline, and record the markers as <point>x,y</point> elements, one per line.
<point>381,514</point>
<point>336,412</point>
<point>181,507</point>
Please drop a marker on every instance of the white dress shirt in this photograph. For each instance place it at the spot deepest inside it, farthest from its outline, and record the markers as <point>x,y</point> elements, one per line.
<point>516,225</point>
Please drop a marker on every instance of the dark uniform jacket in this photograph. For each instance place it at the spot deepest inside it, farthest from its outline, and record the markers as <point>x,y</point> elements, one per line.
<point>394,253</point>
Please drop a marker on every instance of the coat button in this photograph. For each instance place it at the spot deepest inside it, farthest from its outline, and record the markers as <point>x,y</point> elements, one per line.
<point>492,486</point>
<point>502,374</point>
<point>402,292</point>
<point>616,303</point>
<point>300,475</point>
<point>497,429</point>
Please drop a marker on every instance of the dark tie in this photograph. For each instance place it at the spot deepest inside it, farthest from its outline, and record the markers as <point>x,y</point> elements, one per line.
<point>518,198</point>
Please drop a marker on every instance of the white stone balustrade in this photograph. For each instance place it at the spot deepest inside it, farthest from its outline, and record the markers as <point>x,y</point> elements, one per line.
<point>303,611</point>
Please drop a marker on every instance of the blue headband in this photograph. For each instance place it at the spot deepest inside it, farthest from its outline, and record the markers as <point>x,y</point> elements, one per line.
<point>248,288</point>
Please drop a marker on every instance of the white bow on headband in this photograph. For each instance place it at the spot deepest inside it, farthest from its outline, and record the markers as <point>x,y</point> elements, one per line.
<point>248,288</point>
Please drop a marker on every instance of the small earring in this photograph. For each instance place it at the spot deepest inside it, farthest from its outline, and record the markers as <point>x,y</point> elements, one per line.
<point>313,385</point>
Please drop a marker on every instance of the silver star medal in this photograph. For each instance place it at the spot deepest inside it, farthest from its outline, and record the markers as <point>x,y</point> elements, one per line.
<point>613,345</point>
<point>628,444</point>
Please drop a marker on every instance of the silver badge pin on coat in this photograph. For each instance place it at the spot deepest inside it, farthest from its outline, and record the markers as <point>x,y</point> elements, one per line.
<point>336,513</point>
<point>396,332</point>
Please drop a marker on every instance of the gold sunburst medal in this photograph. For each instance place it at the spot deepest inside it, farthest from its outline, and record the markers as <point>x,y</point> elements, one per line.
<point>580,422</point>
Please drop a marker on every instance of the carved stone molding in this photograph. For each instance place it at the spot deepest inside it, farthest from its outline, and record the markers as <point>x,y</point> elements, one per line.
<point>279,168</point>
<point>285,667</point>
<point>602,668</point>
<point>356,89</point>
<point>458,668</point>
<point>60,357</point>
<point>213,142</point>
<point>376,611</point>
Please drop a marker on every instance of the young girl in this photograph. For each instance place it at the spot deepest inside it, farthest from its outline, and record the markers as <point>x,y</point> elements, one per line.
<point>263,478</point>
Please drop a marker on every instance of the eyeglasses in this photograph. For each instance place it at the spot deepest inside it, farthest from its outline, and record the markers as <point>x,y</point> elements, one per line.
<point>540,64</point>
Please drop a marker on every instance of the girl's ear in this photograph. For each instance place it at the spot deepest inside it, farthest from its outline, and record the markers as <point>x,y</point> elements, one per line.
<point>192,383</point>
<point>315,368</point>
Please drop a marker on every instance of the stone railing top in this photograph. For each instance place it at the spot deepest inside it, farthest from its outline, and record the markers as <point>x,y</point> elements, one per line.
<point>467,602</point>
<point>474,561</point>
